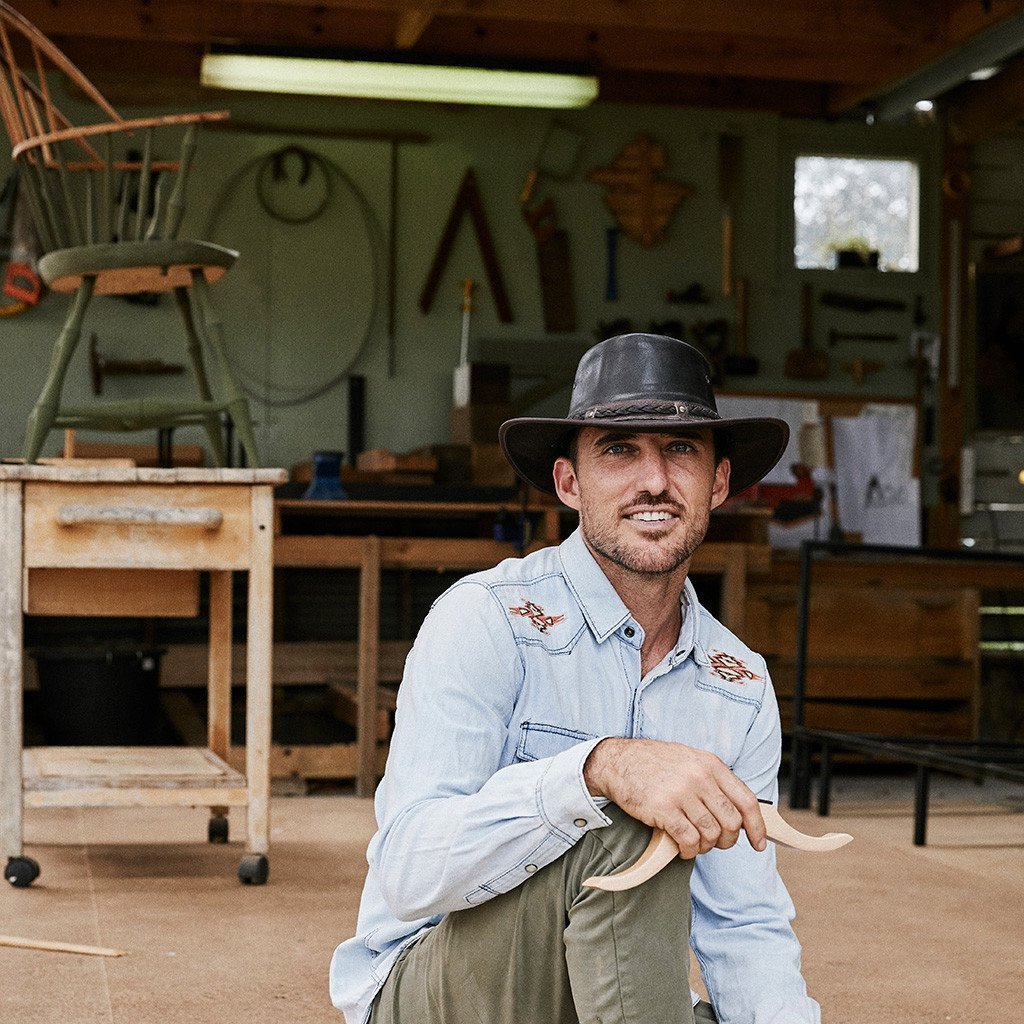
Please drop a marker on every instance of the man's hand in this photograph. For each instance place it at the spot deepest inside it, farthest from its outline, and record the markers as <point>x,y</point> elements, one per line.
<point>688,793</point>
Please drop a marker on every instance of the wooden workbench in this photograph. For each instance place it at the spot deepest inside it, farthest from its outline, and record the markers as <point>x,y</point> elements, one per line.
<point>63,531</point>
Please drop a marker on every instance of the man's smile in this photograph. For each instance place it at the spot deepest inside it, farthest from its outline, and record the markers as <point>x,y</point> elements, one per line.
<point>652,516</point>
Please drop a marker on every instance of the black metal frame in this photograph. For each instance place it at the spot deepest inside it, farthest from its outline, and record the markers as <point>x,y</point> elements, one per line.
<point>970,759</point>
<point>975,759</point>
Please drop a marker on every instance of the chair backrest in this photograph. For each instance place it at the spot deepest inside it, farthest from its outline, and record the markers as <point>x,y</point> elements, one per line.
<point>88,198</point>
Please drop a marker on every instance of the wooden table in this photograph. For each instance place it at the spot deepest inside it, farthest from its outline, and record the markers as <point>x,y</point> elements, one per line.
<point>66,532</point>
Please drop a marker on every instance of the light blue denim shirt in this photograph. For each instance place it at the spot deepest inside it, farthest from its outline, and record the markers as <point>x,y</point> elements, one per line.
<point>516,674</point>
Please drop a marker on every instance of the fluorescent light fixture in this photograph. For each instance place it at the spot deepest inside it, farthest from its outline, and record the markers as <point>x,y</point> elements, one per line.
<point>984,74</point>
<point>315,76</point>
<point>924,106</point>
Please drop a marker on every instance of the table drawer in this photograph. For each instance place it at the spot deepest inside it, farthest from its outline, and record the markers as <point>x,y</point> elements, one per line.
<point>143,526</point>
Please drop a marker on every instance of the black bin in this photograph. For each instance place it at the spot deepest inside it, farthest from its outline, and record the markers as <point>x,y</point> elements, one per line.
<point>99,695</point>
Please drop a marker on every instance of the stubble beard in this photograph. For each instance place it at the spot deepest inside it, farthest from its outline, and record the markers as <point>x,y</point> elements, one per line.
<point>648,559</point>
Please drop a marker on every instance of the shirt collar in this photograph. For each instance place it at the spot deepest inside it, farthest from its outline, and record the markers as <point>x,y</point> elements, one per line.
<point>598,600</point>
<point>604,610</point>
<point>689,632</point>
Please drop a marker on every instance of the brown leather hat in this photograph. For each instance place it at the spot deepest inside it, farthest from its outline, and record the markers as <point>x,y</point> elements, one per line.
<point>645,382</point>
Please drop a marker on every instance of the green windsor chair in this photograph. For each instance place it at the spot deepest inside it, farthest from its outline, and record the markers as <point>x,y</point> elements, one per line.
<point>96,244</point>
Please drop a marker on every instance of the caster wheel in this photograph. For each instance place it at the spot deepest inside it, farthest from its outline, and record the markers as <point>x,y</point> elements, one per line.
<point>217,829</point>
<point>21,871</point>
<point>254,869</point>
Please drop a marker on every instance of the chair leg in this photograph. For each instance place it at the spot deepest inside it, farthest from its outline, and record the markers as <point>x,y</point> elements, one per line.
<point>195,353</point>
<point>40,420</point>
<point>237,405</point>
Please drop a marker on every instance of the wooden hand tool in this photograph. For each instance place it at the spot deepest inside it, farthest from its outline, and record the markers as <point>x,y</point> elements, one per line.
<point>662,850</point>
<point>729,177</point>
<point>468,201</point>
<point>58,947</point>
<point>806,362</point>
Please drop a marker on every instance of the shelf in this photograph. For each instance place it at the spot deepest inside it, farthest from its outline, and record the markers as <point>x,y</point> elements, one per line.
<point>129,777</point>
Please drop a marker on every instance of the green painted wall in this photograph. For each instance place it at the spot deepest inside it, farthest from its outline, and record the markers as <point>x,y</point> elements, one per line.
<point>302,298</point>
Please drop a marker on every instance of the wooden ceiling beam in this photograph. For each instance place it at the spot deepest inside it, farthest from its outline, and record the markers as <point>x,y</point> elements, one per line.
<point>412,24</point>
<point>909,22</point>
<point>962,21</point>
<point>794,99</point>
<point>978,110</point>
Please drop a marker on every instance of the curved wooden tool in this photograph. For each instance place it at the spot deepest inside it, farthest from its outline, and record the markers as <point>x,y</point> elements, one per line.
<point>662,850</point>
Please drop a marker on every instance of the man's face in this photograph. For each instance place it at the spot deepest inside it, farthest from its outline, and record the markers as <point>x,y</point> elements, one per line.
<point>643,498</point>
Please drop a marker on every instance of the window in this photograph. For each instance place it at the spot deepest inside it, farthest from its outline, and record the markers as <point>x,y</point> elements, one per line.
<point>856,212</point>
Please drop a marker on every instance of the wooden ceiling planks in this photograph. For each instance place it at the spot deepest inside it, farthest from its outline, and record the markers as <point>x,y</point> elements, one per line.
<point>793,56</point>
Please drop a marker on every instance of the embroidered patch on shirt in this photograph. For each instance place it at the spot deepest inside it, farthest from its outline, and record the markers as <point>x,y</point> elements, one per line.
<point>536,615</point>
<point>730,668</point>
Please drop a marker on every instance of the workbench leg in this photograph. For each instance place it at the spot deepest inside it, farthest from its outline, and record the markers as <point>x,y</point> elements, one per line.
<point>734,589</point>
<point>10,669</point>
<point>921,805</point>
<point>825,780</point>
<point>368,667</point>
<point>258,669</point>
<point>218,716</point>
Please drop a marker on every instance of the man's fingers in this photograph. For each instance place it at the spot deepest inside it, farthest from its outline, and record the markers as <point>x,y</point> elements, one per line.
<point>743,799</point>
<point>687,838</point>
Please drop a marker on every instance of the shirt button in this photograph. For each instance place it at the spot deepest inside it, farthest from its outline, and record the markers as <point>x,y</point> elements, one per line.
<point>580,822</point>
<point>530,868</point>
<point>630,632</point>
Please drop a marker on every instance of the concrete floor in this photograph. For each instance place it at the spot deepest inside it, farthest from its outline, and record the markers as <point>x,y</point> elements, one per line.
<point>892,934</point>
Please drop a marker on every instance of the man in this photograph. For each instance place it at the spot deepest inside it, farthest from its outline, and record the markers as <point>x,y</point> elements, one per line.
<point>554,709</point>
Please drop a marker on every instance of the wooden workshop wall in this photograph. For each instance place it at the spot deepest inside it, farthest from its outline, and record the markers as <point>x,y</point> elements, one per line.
<point>302,297</point>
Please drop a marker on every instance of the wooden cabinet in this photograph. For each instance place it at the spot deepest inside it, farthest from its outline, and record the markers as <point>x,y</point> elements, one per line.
<point>892,648</point>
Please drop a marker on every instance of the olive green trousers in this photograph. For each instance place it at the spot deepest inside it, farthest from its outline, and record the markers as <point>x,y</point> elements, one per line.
<point>553,952</point>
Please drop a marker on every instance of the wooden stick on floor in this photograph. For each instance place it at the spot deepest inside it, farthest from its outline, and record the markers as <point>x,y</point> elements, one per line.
<point>58,947</point>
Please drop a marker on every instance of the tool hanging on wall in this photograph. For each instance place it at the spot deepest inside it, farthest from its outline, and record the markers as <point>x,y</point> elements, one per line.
<point>691,295</point>
<point>740,363</point>
<point>806,362</point>
<point>730,173</point>
<point>860,368</point>
<point>19,245</point>
<point>100,366</point>
<point>468,200</point>
<point>641,201</point>
<point>558,303</point>
<point>611,285</point>
<point>860,303</point>
<point>834,337</point>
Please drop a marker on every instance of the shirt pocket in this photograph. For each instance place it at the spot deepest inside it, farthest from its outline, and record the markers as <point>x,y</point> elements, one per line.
<point>539,740</point>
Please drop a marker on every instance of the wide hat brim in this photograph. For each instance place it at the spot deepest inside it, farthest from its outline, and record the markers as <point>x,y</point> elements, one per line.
<point>532,444</point>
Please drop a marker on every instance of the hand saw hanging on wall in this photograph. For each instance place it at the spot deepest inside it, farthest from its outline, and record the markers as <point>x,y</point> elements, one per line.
<point>468,199</point>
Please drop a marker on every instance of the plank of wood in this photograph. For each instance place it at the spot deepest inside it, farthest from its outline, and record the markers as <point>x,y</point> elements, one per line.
<point>259,669</point>
<point>11,661</point>
<point>20,942</point>
<point>296,663</point>
<point>17,470</point>
<point>219,665</point>
<point>149,593</point>
<point>369,640</point>
<point>313,760</point>
<point>137,454</point>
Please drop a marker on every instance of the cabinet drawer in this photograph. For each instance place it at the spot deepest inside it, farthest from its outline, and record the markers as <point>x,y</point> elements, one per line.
<point>866,622</point>
<point>145,526</point>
